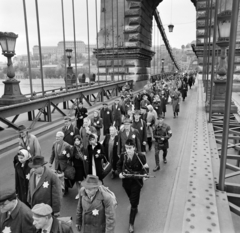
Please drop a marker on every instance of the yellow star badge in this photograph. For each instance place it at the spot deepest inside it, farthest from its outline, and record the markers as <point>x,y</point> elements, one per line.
<point>7,230</point>
<point>28,176</point>
<point>45,184</point>
<point>95,212</point>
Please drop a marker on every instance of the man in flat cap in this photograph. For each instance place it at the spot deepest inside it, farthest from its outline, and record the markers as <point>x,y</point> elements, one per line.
<point>80,114</point>
<point>28,141</point>
<point>46,223</point>
<point>132,162</point>
<point>15,216</point>
<point>128,133</point>
<point>44,186</point>
<point>69,130</point>
<point>106,115</point>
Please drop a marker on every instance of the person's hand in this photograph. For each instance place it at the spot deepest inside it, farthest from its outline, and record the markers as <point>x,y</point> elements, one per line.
<point>121,176</point>
<point>56,214</point>
<point>148,123</point>
<point>81,117</point>
<point>78,227</point>
<point>85,157</point>
<point>96,155</point>
<point>144,143</point>
<point>162,139</point>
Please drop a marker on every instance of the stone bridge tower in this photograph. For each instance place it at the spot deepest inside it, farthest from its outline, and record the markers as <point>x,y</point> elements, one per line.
<point>125,40</point>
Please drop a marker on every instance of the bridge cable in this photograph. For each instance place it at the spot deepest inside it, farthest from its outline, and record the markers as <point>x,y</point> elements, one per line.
<point>112,75</point>
<point>89,61</point>
<point>96,11</point>
<point>105,33</point>
<point>117,40</point>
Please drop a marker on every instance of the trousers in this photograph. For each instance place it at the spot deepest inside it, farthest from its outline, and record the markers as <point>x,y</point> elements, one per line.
<point>157,160</point>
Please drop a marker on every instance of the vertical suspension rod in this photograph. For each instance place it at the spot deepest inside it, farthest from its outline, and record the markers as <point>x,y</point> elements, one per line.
<point>96,12</point>
<point>88,41</point>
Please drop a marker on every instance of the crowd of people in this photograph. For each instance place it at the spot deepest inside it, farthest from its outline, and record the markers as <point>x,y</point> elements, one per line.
<point>114,141</point>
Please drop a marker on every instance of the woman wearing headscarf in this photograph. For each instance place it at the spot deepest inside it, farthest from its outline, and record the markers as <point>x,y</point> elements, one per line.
<point>22,174</point>
<point>97,122</point>
<point>175,96</point>
<point>110,145</point>
<point>80,162</point>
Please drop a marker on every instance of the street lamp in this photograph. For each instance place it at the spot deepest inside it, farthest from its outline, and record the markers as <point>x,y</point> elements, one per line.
<point>12,92</point>
<point>162,65</point>
<point>170,27</point>
<point>224,24</point>
<point>71,77</point>
<point>69,55</point>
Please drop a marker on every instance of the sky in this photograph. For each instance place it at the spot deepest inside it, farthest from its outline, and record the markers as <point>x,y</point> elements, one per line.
<point>181,13</point>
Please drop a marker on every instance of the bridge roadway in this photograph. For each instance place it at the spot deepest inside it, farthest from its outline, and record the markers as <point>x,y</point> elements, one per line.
<point>161,199</point>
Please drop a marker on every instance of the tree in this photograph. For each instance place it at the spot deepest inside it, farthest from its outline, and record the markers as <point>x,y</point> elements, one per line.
<point>50,73</point>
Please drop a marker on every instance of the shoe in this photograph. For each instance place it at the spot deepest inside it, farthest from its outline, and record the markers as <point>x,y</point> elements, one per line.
<point>77,197</point>
<point>113,175</point>
<point>165,160</point>
<point>156,168</point>
<point>131,228</point>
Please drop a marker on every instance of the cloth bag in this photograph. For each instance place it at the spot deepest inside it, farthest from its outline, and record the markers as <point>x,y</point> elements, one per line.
<point>107,167</point>
<point>69,172</point>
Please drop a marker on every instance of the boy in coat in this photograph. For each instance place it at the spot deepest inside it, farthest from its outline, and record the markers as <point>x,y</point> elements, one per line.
<point>15,216</point>
<point>117,112</point>
<point>106,115</point>
<point>44,186</point>
<point>80,114</point>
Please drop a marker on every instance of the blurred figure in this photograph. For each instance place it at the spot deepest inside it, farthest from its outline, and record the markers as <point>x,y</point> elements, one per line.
<point>80,114</point>
<point>117,112</point>
<point>106,115</point>
<point>69,130</point>
<point>97,122</point>
<point>175,95</point>
<point>15,216</point>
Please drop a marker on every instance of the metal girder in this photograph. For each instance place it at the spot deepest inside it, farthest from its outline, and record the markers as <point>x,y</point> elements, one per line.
<point>13,110</point>
<point>232,167</point>
<point>9,123</point>
<point>57,108</point>
<point>232,174</point>
<point>234,208</point>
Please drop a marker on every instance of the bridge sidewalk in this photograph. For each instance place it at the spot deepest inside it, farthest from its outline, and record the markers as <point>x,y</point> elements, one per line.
<point>196,205</point>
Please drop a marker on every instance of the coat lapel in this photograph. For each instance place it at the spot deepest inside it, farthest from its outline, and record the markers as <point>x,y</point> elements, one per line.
<point>41,181</point>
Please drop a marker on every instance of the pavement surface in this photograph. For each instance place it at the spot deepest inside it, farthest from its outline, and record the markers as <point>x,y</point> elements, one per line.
<point>156,193</point>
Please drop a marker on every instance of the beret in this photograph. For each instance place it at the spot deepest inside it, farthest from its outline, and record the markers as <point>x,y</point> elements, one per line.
<point>42,210</point>
<point>67,118</point>
<point>7,194</point>
<point>22,127</point>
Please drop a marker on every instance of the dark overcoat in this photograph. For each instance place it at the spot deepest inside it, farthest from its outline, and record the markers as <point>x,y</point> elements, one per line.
<point>48,190</point>
<point>141,127</point>
<point>69,134</point>
<point>22,175</point>
<point>115,150</point>
<point>117,112</point>
<point>98,149</point>
<point>122,138</point>
<point>65,228</point>
<point>97,123</point>
<point>106,115</point>
<point>80,112</point>
<point>60,156</point>
<point>19,221</point>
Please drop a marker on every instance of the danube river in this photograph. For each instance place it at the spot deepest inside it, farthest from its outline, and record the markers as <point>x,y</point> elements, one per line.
<point>37,85</point>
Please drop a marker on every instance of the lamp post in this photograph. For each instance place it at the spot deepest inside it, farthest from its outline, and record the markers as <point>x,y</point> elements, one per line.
<point>170,27</point>
<point>12,92</point>
<point>71,77</point>
<point>162,65</point>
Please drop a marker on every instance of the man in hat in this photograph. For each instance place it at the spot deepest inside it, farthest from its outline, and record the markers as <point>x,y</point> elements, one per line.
<point>141,126</point>
<point>69,130</point>
<point>46,223</point>
<point>132,162</point>
<point>106,115</point>
<point>61,153</point>
<point>117,112</point>
<point>145,102</point>
<point>96,207</point>
<point>28,141</point>
<point>126,133</point>
<point>80,114</point>
<point>15,216</point>
<point>162,132</point>
<point>44,186</point>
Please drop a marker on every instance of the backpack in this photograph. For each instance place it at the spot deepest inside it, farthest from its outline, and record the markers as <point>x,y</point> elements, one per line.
<point>106,191</point>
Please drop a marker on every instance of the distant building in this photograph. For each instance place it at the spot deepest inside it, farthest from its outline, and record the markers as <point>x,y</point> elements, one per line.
<point>80,47</point>
<point>46,50</point>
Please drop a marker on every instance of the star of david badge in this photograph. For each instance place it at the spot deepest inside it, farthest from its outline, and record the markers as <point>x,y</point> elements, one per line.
<point>71,133</point>
<point>107,112</point>
<point>133,136</point>
<point>45,184</point>
<point>28,176</point>
<point>28,148</point>
<point>7,230</point>
<point>95,212</point>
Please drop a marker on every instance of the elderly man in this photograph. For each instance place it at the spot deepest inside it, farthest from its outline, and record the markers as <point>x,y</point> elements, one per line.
<point>15,216</point>
<point>128,133</point>
<point>28,141</point>
<point>61,153</point>
<point>46,223</point>
<point>44,186</point>
<point>69,130</point>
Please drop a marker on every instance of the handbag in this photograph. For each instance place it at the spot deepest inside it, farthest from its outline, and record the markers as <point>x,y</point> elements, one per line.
<point>69,172</point>
<point>107,167</point>
<point>177,108</point>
